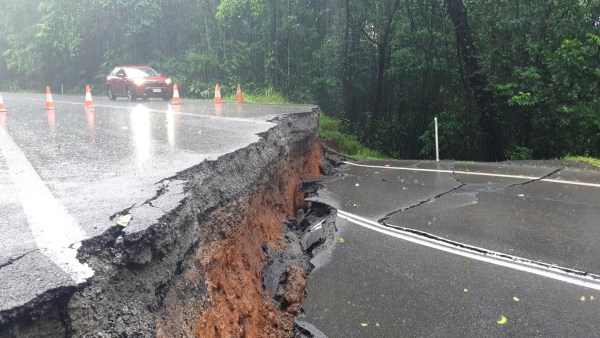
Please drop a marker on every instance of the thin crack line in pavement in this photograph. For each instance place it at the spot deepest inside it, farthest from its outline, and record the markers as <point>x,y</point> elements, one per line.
<point>15,259</point>
<point>159,208</point>
<point>430,199</point>
<point>418,237</point>
<point>556,171</point>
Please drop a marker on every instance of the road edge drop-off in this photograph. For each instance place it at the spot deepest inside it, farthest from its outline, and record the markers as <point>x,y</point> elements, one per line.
<point>198,271</point>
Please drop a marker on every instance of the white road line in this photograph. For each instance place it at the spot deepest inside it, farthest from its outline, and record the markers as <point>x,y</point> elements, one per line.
<point>529,178</point>
<point>56,233</point>
<point>513,262</point>
<point>317,226</point>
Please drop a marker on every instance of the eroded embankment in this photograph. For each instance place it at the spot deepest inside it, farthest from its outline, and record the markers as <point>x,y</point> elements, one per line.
<point>218,265</point>
<point>232,264</point>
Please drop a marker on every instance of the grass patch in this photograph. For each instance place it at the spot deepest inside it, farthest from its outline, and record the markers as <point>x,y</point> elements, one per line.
<point>329,129</point>
<point>582,159</point>
<point>268,95</point>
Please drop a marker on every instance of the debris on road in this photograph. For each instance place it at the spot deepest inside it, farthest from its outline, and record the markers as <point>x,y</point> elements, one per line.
<point>124,221</point>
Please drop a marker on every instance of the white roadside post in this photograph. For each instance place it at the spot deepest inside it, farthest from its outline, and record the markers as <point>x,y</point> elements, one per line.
<point>437,145</point>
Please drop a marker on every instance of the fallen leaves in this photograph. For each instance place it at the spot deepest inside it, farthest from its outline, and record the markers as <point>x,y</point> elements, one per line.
<point>503,320</point>
<point>583,299</point>
<point>341,240</point>
<point>123,221</point>
<point>465,261</point>
<point>367,324</point>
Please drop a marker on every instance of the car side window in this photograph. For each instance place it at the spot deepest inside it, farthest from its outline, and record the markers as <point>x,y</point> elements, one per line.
<point>121,72</point>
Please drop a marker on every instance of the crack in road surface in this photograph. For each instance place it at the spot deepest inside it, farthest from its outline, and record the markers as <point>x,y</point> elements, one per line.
<point>13,260</point>
<point>455,175</point>
<point>554,172</point>
<point>420,203</point>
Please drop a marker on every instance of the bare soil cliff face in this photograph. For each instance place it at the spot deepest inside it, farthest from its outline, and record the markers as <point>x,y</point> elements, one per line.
<point>232,263</point>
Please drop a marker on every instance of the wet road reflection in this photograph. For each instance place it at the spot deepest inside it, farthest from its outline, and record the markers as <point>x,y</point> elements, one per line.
<point>171,126</point>
<point>3,115</point>
<point>89,115</point>
<point>51,116</point>
<point>141,129</point>
<point>218,109</point>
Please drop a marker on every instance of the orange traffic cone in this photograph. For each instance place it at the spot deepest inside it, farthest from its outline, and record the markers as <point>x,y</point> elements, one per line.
<point>176,99</point>
<point>2,106</point>
<point>239,97</point>
<point>88,98</point>
<point>218,98</point>
<point>49,103</point>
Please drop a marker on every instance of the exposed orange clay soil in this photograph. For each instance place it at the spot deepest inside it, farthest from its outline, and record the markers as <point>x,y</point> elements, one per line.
<point>233,267</point>
<point>232,263</point>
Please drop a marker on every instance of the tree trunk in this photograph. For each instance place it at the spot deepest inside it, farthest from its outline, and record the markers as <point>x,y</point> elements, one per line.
<point>347,90</point>
<point>476,79</point>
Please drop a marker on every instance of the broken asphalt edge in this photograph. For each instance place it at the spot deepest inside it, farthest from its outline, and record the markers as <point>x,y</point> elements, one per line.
<point>161,245</point>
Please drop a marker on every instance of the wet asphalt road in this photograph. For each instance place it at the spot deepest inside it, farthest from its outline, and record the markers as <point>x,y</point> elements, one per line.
<point>373,284</point>
<point>65,173</point>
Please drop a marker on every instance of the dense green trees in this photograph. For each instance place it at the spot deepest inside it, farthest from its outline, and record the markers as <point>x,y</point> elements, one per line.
<point>507,78</point>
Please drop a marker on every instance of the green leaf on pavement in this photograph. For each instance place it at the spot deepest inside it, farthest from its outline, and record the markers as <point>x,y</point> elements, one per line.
<point>124,221</point>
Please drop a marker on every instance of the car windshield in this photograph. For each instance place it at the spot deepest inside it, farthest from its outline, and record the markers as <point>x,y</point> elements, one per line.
<point>141,72</point>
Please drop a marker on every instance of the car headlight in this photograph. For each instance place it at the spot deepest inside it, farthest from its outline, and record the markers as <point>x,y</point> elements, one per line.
<point>139,82</point>
<point>168,82</point>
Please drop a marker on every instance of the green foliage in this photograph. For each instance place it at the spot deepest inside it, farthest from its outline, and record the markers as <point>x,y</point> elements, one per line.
<point>453,137</point>
<point>268,95</point>
<point>519,154</point>
<point>236,8</point>
<point>331,130</point>
<point>583,159</point>
<point>523,100</point>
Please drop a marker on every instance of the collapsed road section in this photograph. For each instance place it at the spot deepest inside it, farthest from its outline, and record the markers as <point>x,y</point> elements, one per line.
<point>220,249</point>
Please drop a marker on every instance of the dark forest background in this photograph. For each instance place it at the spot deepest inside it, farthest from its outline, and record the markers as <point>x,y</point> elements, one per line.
<point>514,79</point>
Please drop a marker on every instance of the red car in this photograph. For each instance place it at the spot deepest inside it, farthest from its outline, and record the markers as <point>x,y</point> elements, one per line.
<point>138,81</point>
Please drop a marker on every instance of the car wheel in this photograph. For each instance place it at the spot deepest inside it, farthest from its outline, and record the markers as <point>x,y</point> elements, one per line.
<point>111,95</point>
<point>130,95</point>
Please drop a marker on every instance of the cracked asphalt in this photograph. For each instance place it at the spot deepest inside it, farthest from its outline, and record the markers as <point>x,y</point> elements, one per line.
<point>377,285</point>
<point>67,174</point>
